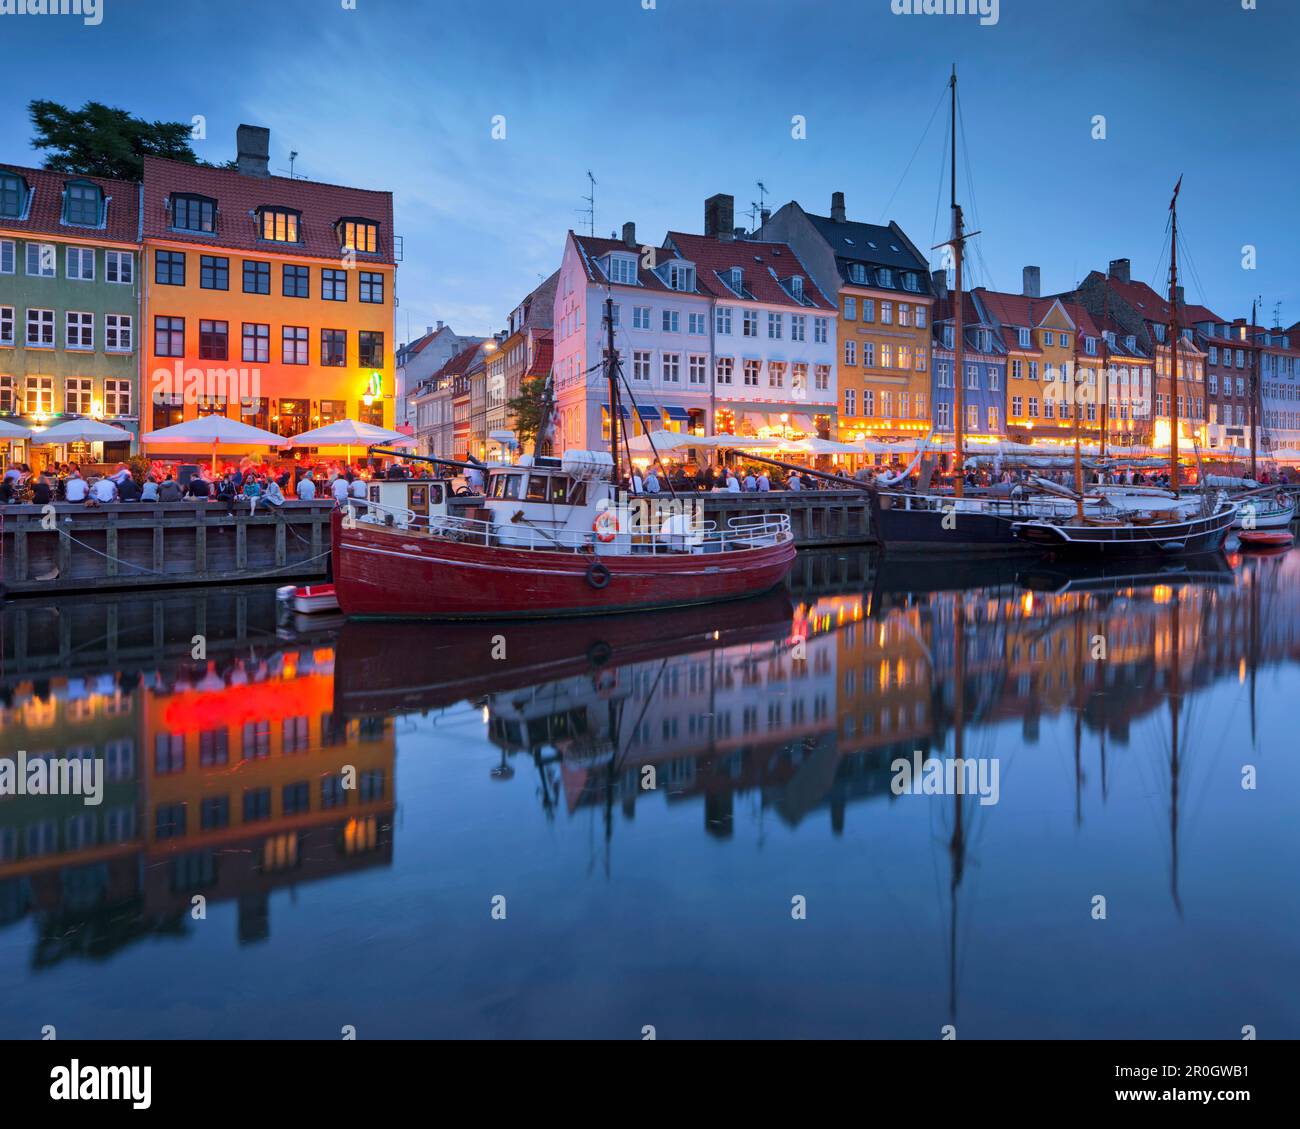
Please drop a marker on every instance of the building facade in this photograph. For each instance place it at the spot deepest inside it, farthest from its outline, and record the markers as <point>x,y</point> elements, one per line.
<point>525,352</point>
<point>266,299</point>
<point>881,283</point>
<point>418,360</point>
<point>1054,356</point>
<point>69,307</point>
<point>1140,318</point>
<point>983,376</point>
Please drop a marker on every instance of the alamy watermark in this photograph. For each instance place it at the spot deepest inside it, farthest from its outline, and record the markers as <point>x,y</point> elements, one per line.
<point>947,776</point>
<point>987,10</point>
<point>90,11</point>
<point>53,776</point>
<point>180,385</point>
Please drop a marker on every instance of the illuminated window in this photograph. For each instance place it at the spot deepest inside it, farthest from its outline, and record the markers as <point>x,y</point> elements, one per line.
<point>278,225</point>
<point>359,235</point>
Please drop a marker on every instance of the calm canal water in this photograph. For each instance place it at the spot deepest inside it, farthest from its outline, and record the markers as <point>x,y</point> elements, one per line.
<point>1118,712</point>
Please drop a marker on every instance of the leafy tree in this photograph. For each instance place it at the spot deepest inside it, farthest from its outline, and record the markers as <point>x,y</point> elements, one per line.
<point>99,140</point>
<point>528,408</point>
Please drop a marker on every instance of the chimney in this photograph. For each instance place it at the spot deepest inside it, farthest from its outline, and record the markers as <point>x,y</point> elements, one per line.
<point>1178,296</point>
<point>629,234</point>
<point>440,325</point>
<point>428,330</point>
<point>253,143</point>
<point>1033,284</point>
<point>940,284</point>
<point>738,232</point>
<point>765,215</point>
<point>837,207</point>
<point>720,216</point>
<point>1119,269</point>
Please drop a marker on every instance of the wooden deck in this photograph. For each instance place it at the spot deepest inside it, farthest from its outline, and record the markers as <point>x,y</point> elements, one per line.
<point>138,545</point>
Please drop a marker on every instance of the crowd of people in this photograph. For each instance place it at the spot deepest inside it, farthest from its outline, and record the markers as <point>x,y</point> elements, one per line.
<point>248,483</point>
<point>733,478</point>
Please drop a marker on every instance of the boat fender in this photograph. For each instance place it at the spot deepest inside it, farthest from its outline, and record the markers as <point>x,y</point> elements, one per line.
<point>598,574</point>
<point>599,653</point>
<point>605,526</point>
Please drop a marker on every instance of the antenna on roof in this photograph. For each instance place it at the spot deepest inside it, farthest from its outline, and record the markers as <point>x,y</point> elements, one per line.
<point>1277,313</point>
<point>756,207</point>
<point>293,156</point>
<point>590,209</point>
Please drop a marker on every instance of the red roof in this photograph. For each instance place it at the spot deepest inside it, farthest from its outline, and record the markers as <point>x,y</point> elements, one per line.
<point>1014,311</point>
<point>239,196</point>
<point>543,351</point>
<point>45,210</point>
<point>592,248</point>
<point>764,265</point>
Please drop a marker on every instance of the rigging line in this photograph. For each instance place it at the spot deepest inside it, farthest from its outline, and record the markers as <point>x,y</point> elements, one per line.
<point>884,213</point>
<point>938,199</point>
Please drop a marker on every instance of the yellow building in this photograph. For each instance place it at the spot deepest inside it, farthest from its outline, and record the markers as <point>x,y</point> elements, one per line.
<point>1045,339</point>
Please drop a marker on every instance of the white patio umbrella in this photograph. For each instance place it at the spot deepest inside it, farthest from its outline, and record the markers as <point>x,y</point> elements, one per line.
<point>214,431</point>
<point>11,431</point>
<point>347,433</point>
<point>83,431</point>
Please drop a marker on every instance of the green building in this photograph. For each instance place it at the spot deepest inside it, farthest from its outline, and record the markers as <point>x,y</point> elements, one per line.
<point>69,308</point>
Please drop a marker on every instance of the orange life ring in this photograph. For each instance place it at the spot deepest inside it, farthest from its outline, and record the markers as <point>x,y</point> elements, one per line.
<point>605,526</point>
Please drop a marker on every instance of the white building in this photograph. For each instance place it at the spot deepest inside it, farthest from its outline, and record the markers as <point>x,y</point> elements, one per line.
<point>714,333</point>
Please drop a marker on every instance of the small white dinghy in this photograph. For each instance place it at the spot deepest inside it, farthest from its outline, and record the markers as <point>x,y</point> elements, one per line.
<point>314,598</point>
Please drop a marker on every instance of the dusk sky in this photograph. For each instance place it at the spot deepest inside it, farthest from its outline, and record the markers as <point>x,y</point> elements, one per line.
<point>670,105</point>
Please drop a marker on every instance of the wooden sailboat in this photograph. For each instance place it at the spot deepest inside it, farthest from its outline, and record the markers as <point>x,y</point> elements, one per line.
<point>1180,526</point>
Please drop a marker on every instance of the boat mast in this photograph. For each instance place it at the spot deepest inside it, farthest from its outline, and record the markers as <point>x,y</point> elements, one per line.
<point>958,330</point>
<point>1254,386</point>
<point>1076,407</point>
<point>1104,384</point>
<point>1173,341</point>
<point>611,374</point>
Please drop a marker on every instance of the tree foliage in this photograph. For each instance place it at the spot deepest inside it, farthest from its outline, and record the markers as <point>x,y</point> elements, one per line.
<point>99,140</point>
<point>528,408</point>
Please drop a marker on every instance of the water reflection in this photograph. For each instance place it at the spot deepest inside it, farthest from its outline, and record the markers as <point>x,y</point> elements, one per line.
<point>271,764</point>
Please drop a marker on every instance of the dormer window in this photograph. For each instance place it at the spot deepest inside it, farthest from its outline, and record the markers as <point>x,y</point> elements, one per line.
<point>885,276</point>
<point>1131,342</point>
<point>681,277</point>
<point>1090,346</point>
<point>1160,332</point>
<point>358,235</point>
<point>986,341</point>
<point>947,337</point>
<point>1109,334</point>
<point>796,287</point>
<point>278,225</point>
<point>858,274</point>
<point>83,204</point>
<point>13,195</point>
<point>911,281</point>
<point>736,280</point>
<point>622,269</point>
<point>1024,338</point>
<point>194,213</point>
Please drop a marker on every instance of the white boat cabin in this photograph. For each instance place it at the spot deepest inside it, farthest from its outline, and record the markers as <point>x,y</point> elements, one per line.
<point>564,498</point>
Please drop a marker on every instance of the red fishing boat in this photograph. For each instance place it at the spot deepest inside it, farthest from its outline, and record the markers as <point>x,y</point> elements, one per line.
<point>1266,538</point>
<point>552,538</point>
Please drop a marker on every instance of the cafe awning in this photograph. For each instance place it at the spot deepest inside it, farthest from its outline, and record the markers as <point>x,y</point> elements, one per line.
<point>672,411</point>
<point>623,413</point>
<point>648,413</point>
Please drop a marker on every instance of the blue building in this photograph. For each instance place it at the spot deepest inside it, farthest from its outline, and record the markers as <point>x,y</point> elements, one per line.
<point>984,382</point>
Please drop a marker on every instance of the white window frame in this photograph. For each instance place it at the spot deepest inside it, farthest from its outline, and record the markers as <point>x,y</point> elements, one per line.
<point>44,388</point>
<point>85,323</point>
<point>8,325</point>
<point>77,389</point>
<point>671,368</point>
<point>114,393</point>
<point>42,322</point>
<point>81,255</point>
<point>115,325</point>
<point>113,264</point>
<point>8,254</point>
<point>44,252</point>
<point>640,317</point>
<point>722,320</point>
